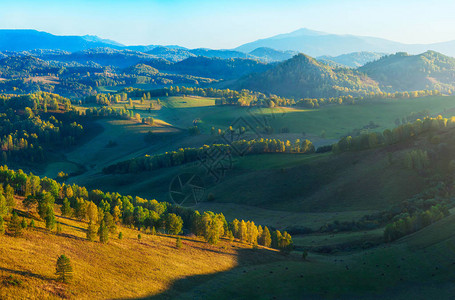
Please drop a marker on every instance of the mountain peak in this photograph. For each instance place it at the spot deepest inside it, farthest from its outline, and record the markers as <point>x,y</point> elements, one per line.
<point>306,32</point>
<point>317,43</point>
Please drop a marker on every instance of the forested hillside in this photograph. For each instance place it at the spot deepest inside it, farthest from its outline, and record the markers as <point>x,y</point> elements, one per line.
<point>404,72</point>
<point>219,68</point>
<point>303,76</point>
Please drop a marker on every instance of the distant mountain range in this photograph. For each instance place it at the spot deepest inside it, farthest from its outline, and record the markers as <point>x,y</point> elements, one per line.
<point>351,60</point>
<point>316,43</point>
<point>32,40</point>
<point>24,40</point>
<point>336,50</point>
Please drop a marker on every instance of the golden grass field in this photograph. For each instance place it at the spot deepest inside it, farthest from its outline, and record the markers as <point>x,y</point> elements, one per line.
<point>127,268</point>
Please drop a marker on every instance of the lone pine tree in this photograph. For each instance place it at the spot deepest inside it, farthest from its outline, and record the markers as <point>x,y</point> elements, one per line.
<point>64,270</point>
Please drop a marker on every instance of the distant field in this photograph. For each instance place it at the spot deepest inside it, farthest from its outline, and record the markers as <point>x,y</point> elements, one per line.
<point>334,120</point>
<point>185,102</point>
<point>144,86</point>
<point>43,79</point>
<point>329,122</point>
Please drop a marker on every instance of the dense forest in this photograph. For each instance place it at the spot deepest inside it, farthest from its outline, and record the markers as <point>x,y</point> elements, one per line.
<point>33,124</point>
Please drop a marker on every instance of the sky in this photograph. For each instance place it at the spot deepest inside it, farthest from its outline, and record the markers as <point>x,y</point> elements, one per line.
<point>225,24</point>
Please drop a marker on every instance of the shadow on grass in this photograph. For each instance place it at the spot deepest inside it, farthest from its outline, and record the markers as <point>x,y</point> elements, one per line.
<point>67,235</point>
<point>26,274</point>
<point>245,258</point>
<point>72,226</point>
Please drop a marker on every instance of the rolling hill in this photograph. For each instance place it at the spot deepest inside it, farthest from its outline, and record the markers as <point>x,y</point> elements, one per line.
<point>302,76</point>
<point>123,268</point>
<point>404,72</point>
<point>219,68</point>
<point>105,56</point>
<point>17,65</point>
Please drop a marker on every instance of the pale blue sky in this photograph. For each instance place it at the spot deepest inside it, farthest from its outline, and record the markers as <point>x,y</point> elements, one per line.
<point>230,23</point>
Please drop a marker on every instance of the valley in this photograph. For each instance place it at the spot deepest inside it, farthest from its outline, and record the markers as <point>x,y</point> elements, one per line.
<point>306,165</point>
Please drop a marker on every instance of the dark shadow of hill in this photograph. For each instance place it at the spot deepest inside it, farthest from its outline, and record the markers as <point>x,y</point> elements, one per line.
<point>245,258</point>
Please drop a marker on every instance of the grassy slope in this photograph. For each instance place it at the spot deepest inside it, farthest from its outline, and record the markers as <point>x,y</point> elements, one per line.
<point>419,266</point>
<point>352,181</point>
<point>120,269</point>
<point>188,101</point>
<point>298,183</point>
<point>288,189</point>
<point>335,120</point>
<point>129,135</point>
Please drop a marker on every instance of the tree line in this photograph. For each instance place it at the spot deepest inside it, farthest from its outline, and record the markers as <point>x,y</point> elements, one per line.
<point>410,224</point>
<point>388,137</point>
<point>105,211</point>
<point>183,156</point>
<point>251,98</point>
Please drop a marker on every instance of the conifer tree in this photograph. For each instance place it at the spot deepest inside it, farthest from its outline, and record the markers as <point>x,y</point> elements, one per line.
<point>103,232</point>
<point>109,220</point>
<point>4,209</point>
<point>2,226</point>
<point>64,270</point>
<point>50,217</point>
<point>14,226</point>
<point>120,235</point>
<point>91,231</point>
<point>66,208</point>
<point>276,236</point>
<point>24,223</point>
<point>179,243</point>
<point>9,193</point>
